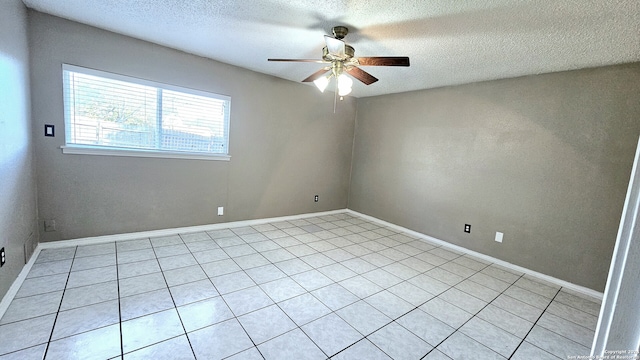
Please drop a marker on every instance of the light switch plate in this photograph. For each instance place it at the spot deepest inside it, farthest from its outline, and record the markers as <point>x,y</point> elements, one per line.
<point>49,130</point>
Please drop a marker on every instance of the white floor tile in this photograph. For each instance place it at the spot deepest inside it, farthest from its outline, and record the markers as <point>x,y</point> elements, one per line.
<point>138,268</point>
<point>491,336</point>
<point>294,345</point>
<point>230,339</point>
<point>334,296</point>
<point>86,318</point>
<point>505,320</point>
<point>97,344</point>
<point>232,282</point>
<point>555,344</point>
<point>32,306</point>
<point>360,286</point>
<point>461,347</point>
<point>399,343</point>
<point>150,329</point>
<point>27,333</point>
<point>249,354</point>
<point>312,279</point>
<point>363,349</point>
<point>91,294</point>
<point>282,289</point>
<point>445,312</point>
<point>42,285</point>
<point>204,313</point>
<point>363,317</point>
<point>50,268</point>
<point>266,324</point>
<point>144,304</point>
<point>311,288</point>
<point>247,300</point>
<point>331,333</point>
<point>192,292</point>
<point>389,304</point>
<point>527,351</point>
<point>35,352</point>
<point>426,327</point>
<point>177,348</point>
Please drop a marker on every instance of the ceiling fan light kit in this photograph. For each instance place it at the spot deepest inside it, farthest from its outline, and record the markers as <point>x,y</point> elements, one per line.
<point>341,61</point>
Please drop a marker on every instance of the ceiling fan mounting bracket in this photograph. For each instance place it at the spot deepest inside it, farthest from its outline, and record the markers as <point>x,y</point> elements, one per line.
<point>339,32</point>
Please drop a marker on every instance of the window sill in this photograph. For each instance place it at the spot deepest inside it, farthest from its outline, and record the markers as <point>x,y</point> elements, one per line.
<point>93,150</point>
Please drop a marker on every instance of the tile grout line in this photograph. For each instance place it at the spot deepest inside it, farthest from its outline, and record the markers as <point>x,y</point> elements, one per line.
<point>354,242</point>
<point>276,303</point>
<point>53,326</point>
<point>306,292</point>
<point>221,297</point>
<point>153,248</point>
<point>534,324</point>
<point>119,304</point>
<point>394,320</point>
<point>473,316</point>
<point>334,312</point>
<point>186,335</point>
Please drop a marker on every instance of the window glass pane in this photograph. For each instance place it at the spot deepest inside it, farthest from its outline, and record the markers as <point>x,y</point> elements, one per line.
<point>114,111</point>
<point>111,113</point>
<point>192,123</point>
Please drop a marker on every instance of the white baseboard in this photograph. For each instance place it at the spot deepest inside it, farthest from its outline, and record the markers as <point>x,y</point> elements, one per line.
<point>181,230</point>
<point>17,283</point>
<point>13,290</point>
<point>565,284</point>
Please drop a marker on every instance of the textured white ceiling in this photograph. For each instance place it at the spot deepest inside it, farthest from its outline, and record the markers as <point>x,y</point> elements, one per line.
<point>449,42</point>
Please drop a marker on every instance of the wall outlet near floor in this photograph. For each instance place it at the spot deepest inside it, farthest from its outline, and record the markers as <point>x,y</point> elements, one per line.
<point>220,210</point>
<point>315,198</point>
<point>3,257</point>
<point>49,225</point>
<point>467,228</point>
<point>499,236</point>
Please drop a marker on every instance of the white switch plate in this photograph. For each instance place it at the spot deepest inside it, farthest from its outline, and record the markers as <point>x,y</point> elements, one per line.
<point>499,236</point>
<point>220,210</point>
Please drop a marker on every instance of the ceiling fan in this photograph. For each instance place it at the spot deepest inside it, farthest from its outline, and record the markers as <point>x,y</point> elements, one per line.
<point>340,59</point>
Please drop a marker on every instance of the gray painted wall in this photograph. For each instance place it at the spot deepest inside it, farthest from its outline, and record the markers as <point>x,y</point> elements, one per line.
<point>286,145</point>
<point>545,159</point>
<point>17,177</point>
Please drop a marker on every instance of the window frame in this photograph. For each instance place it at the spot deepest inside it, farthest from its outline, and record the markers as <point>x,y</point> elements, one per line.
<point>84,149</point>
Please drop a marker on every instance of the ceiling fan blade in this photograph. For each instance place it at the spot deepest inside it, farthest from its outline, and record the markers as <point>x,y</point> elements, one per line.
<point>316,74</point>
<point>301,60</point>
<point>384,61</point>
<point>361,75</point>
<point>334,46</point>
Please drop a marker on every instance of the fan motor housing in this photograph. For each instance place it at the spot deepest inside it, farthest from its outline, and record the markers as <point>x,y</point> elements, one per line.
<point>349,52</point>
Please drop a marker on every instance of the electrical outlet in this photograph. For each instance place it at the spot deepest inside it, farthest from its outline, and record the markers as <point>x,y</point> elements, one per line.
<point>315,198</point>
<point>3,257</point>
<point>499,236</point>
<point>220,210</point>
<point>467,228</point>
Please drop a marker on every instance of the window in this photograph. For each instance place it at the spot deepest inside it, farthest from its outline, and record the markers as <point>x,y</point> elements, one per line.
<point>109,114</point>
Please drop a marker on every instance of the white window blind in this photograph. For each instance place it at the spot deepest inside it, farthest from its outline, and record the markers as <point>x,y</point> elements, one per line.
<point>115,112</point>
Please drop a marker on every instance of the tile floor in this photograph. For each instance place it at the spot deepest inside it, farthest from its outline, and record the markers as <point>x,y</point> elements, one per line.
<point>333,286</point>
